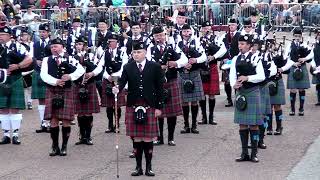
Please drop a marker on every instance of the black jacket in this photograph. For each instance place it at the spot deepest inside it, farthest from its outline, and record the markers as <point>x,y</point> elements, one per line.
<point>151,78</point>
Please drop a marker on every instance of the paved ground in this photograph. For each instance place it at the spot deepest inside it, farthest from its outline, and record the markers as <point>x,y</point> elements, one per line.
<point>209,155</point>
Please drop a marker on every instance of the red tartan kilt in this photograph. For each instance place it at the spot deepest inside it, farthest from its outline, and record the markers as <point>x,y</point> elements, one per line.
<point>90,106</point>
<point>148,130</point>
<point>173,107</point>
<point>65,113</point>
<point>108,101</point>
<point>212,87</point>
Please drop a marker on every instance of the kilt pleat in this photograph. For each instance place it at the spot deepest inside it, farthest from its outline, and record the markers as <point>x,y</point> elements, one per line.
<point>16,99</point>
<point>148,130</point>
<point>265,100</point>
<point>68,111</point>
<point>302,84</point>
<point>92,105</point>
<point>173,107</point>
<point>38,91</point>
<point>252,114</point>
<point>280,97</point>
<point>109,101</point>
<point>198,93</point>
<point>212,87</point>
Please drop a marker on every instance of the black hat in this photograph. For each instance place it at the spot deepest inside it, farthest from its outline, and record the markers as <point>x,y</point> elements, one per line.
<point>77,19</point>
<point>81,39</point>
<point>44,27</point>
<point>57,41</point>
<point>103,20</point>
<point>137,45</point>
<point>205,24</point>
<point>114,36</point>
<point>5,29</point>
<point>247,22</point>
<point>181,13</point>
<point>24,29</point>
<point>125,18</point>
<point>157,30</point>
<point>185,27</point>
<point>257,41</point>
<point>233,20</point>
<point>247,38</point>
<point>297,31</point>
<point>254,13</point>
<point>135,23</point>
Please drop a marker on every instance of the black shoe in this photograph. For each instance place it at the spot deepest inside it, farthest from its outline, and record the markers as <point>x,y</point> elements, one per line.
<point>301,112</point>
<point>89,141</point>
<point>292,113</point>
<point>254,159</point>
<point>229,103</point>
<point>269,132</point>
<point>137,172</point>
<point>185,130</point>
<point>110,130</point>
<point>15,140</point>
<point>203,121</point>
<point>5,140</point>
<point>149,172</point>
<point>41,130</point>
<point>81,141</point>
<point>29,106</point>
<point>63,151</point>
<point>194,131</point>
<point>243,157</point>
<point>73,123</point>
<point>171,143</point>
<point>158,142</point>
<point>261,145</point>
<point>317,104</point>
<point>132,155</point>
<point>278,131</point>
<point>55,151</point>
<point>213,122</point>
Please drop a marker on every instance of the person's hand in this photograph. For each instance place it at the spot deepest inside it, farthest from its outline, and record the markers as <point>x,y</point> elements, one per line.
<point>242,79</point>
<point>13,67</point>
<point>301,60</point>
<point>192,60</point>
<point>60,83</point>
<point>297,64</point>
<point>172,64</point>
<point>211,58</point>
<point>280,70</point>
<point>164,67</point>
<point>188,66</point>
<point>125,35</point>
<point>157,112</point>
<point>115,90</point>
<point>66,77</point>
<point>109,78</point>
<point>89,75</point>
<point>237,85</point>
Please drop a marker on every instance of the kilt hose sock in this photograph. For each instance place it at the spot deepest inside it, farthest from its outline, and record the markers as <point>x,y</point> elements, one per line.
<point>186,110</point>
<point>203,106</point>
<point>138,151</point>
<point>41,109</point>
<point>5,124</point>
<point>15,123</point>
<point>81,124</point>
<point>161,122</point>
<point>279,118</point>
<point>171,121</point>
<point>318,92</point>
<point>228,90</point>
<point>65,136</point>
<point>212,104</point>
<point>293,101</point>
<point>262,130</point>
<point>194,114</point>
<point>148,150</point>
<point>269,120</point>
<point>89,124</point>
<point>244,138</point>
<point>302,96</point>
<point>110,117</point>
<point>54,133</point>
<point>254,137</point>
<point>119,115</point>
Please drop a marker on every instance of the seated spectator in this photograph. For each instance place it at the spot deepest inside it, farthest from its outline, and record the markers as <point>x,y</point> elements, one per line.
<point>29,15</point>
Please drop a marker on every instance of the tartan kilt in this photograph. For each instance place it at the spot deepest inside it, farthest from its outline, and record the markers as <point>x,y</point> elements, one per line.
<point>16,99</point>
<point>173,107</point>
<point>315,80</point>
<point>148,130</point>
<point>225,76</point>
<point>302,84</point>
<point>92,105</point>
<point>212,87</point>
<point>265,99</point>
<point>109,101</point>
<point>280,97</point>
<point>65,113</point>
<point>198,93</point>
<point>252,114</point>
<point>38,91</point>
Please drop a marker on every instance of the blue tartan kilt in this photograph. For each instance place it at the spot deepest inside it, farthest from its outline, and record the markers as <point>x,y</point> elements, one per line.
<point>198,93</point>
<point>38,90</point>
<point>315,80</point>
<point>252,114</point>
<point>265,99</point>
<point>280,97</point>
<point>16,98</point>
<point>302,84</point>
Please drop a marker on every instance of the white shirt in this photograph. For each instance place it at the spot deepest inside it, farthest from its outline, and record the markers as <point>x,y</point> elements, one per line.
<point>199,48</point>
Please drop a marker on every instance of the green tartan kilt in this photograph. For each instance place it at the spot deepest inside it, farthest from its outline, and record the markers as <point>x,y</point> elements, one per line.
<point>252,114</point>
<point>304,83</point>
<point>38,90</point>
<point>265,99</point>
<point>280,97</point>
<point>16,99</point>
<point>315,80</point>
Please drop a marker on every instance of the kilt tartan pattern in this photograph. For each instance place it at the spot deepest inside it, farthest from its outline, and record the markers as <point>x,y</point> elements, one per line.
<point>65,113</point>
<point>148,130</point>
<point>280,97</point>
<point>252,114</point>
<point>265,100</point>
<point>302,84</point>
<point>108,101</point>
<point>212,87</point>
<point>198,93</point>
<point>315,80</point>
<point>173,107</point>
<point>92,105</point>
<point>38,91</point>
<point>16,99</point>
